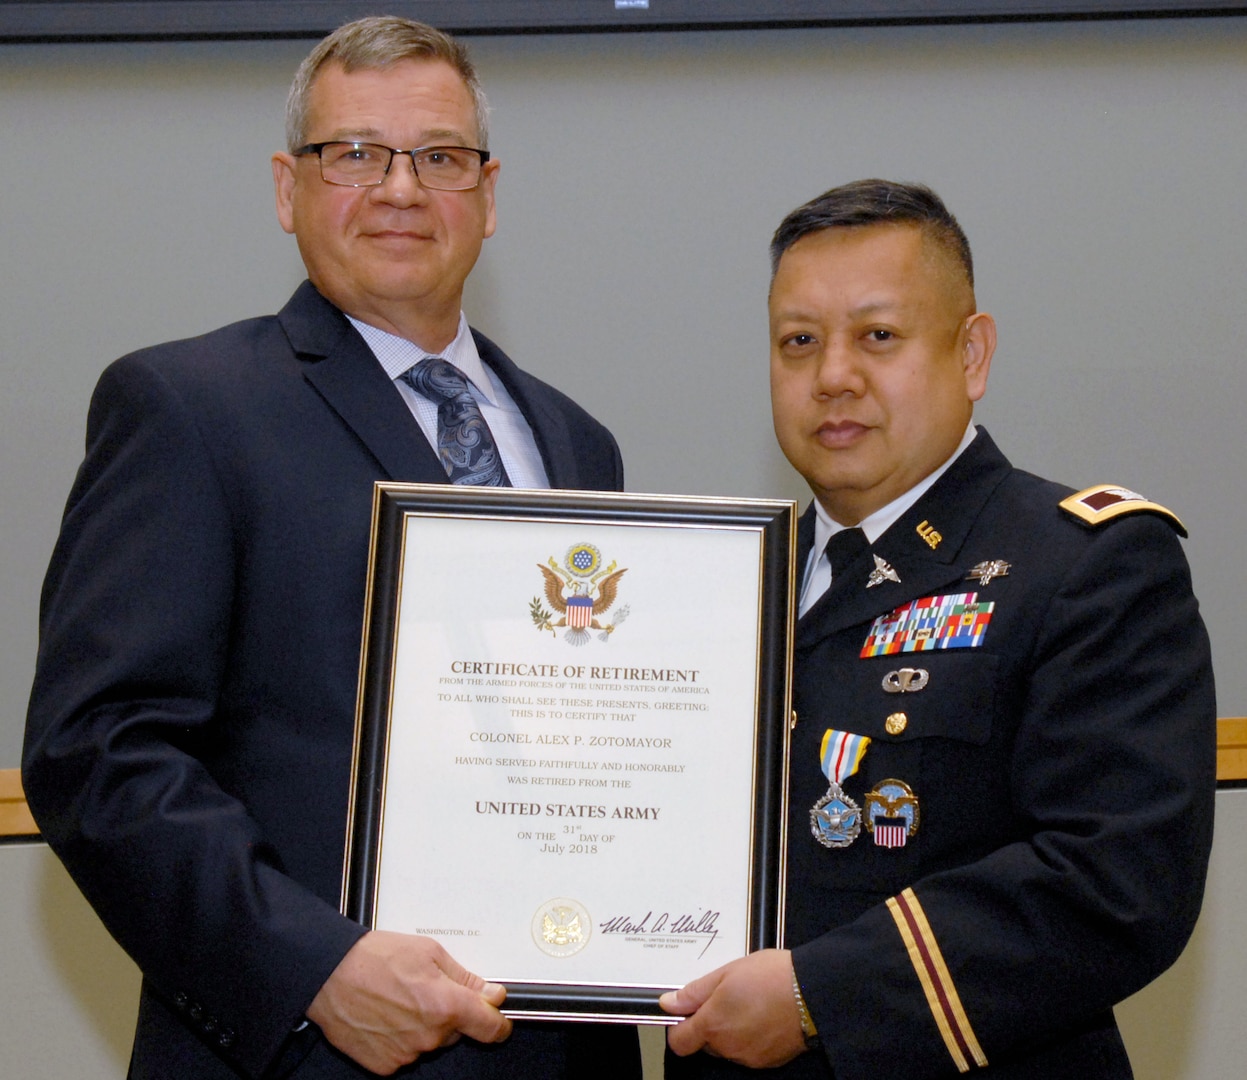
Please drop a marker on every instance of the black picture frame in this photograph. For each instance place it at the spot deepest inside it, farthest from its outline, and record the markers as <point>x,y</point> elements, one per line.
<point>399,508</point>
<point>130,20</point>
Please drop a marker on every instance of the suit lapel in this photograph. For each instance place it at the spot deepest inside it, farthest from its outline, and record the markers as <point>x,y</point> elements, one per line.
<point>342,369</point>
<point>922,547</point>
<point>548,425</point>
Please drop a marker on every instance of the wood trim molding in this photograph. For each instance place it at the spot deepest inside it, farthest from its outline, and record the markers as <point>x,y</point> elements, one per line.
<point>15,819</point>
<point>1232,748</point>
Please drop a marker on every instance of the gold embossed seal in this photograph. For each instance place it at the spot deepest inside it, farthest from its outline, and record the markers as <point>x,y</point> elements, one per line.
<point>561,927</point>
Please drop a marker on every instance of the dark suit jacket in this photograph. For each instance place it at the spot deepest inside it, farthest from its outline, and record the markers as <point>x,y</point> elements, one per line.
<point>189,735</point>
<point>1064,770</point>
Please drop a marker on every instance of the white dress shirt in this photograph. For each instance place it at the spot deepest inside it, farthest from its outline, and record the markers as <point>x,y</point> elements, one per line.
<point>817,579</point>
<point>512,434</point>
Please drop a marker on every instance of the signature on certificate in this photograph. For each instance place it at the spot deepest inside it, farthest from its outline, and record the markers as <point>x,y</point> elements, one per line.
<point>665,925</point>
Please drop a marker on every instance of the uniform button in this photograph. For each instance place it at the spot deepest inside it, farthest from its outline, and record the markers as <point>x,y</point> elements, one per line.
<point>210,1024</point>
<point>196,1012</point>
<point>180,1000</point>
<point>896,723</point>
<point>226,1039</point>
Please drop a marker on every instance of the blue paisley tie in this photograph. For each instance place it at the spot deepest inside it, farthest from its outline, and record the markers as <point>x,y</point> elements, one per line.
<point>464,442</point>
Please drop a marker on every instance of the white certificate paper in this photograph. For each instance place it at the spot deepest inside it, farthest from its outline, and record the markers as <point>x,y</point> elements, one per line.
<point>570,789</point>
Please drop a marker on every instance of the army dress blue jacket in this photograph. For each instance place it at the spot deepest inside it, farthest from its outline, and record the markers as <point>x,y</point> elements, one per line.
<point>1035,804</point>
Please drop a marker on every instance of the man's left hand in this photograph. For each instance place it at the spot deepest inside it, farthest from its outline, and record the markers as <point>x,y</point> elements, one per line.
<point>744,1011</point>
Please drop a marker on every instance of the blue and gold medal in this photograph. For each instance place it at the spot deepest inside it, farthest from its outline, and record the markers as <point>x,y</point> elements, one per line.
<point>836,820</point>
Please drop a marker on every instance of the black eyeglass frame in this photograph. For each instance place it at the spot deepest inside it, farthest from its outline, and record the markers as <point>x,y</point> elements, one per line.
<point>317,147</point>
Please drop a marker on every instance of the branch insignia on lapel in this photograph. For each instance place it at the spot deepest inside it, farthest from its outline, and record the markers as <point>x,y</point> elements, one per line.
<point>882,572</point>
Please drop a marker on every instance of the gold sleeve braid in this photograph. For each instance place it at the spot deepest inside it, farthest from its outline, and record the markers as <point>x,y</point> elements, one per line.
<point>807,1021</point>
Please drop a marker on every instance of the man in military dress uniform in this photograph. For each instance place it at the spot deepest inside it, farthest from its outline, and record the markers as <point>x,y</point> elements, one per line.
<point>1003,765</point>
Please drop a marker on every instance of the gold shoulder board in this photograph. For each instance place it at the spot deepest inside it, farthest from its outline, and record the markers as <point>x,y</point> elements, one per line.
<point>1096,505</point>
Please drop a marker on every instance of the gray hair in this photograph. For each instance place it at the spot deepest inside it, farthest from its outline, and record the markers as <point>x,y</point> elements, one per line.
<point>375,43</point>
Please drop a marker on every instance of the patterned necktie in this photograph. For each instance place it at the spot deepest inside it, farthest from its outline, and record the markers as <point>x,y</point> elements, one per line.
<point>844,548</point>
<point>464,442</point>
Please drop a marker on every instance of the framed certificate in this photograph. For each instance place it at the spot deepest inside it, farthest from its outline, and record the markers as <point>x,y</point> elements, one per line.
<point>571,738</point>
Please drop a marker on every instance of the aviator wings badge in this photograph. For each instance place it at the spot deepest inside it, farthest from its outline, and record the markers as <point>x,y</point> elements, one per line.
<point>578,591</point>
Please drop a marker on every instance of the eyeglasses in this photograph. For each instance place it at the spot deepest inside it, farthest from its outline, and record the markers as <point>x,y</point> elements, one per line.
<point>358,164</point>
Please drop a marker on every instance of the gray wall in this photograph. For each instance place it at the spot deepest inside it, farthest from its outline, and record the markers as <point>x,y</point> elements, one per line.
<point>1098,168</point>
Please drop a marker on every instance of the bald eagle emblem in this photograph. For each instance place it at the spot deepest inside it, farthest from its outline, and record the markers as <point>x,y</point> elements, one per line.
<point>579,592</point>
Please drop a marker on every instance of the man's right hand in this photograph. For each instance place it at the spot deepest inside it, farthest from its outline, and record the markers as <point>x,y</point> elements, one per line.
<point>394,997</point>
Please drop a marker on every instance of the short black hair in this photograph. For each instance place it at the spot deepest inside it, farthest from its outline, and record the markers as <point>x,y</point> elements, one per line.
<point>875,202</point>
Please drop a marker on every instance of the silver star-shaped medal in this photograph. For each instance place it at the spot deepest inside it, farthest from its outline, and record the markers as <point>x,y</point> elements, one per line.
<point>881,573</point>
<point>988,569</point>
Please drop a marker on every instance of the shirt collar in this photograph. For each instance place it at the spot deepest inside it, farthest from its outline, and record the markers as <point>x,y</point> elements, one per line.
<point>876,524</point>
<point>396,354</point>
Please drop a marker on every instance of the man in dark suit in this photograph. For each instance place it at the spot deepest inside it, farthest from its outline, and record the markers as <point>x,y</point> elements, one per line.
<point>190,728</point>
<point>1003,762</point>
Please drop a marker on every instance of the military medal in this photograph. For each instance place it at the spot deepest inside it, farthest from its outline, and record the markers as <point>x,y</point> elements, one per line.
<point>988,570</point>
<point>891,813</point>
<point>906,680</point>
<point>956,621</point>
<point>836,820</point>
